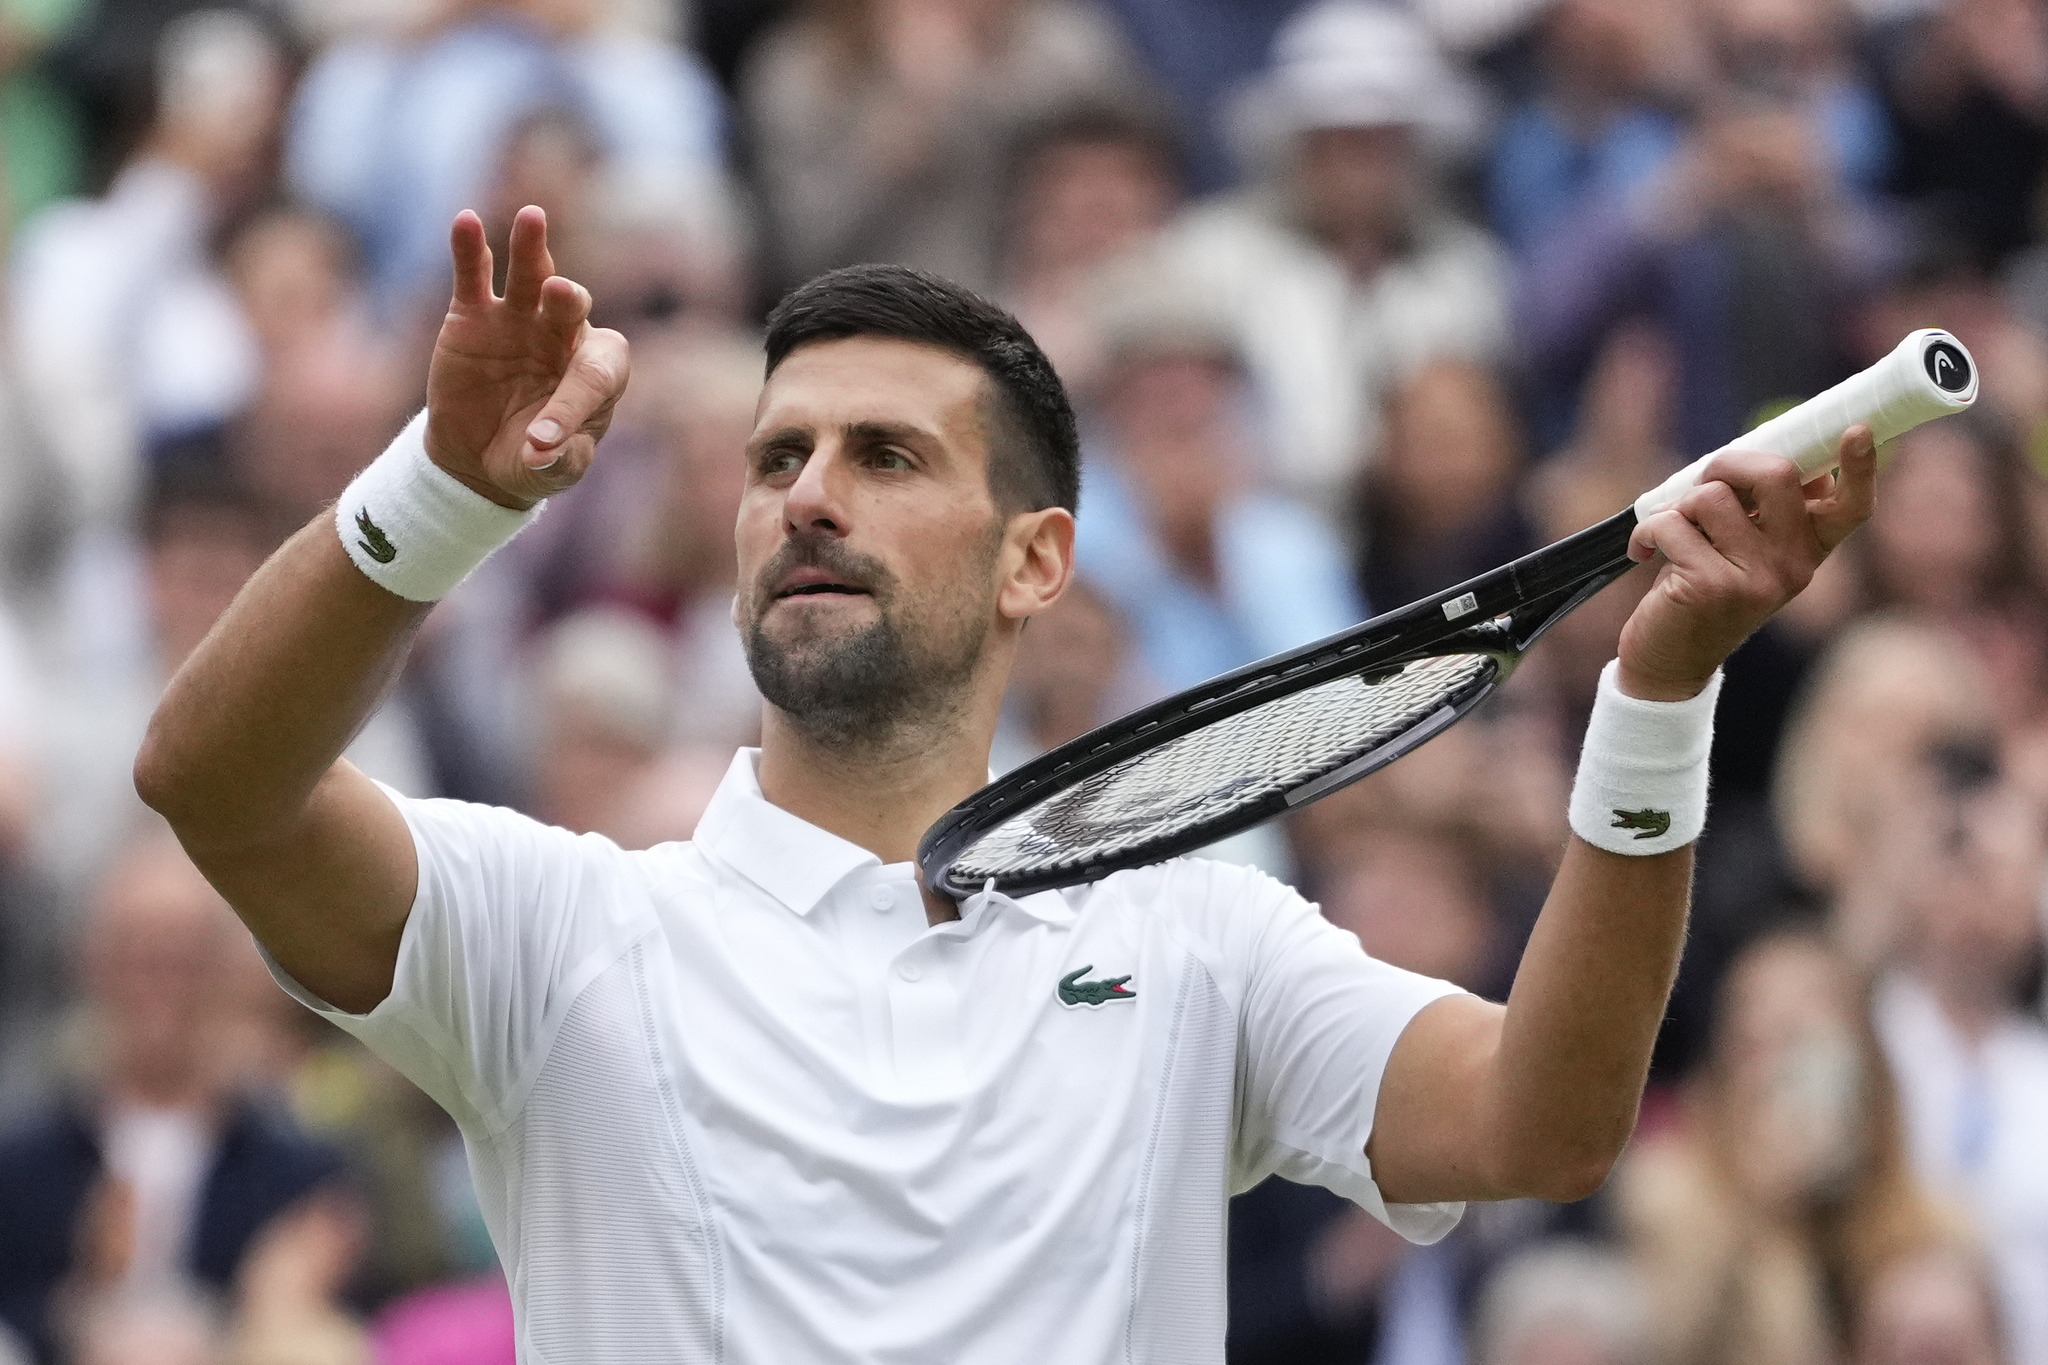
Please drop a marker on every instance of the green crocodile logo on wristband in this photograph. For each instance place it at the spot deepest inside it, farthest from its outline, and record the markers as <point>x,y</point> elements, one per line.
<point>374,542</point>
<point>1650,823</point>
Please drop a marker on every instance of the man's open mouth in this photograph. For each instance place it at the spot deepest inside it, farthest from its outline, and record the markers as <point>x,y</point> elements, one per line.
<point>816,583</point>
<point>816,589</point>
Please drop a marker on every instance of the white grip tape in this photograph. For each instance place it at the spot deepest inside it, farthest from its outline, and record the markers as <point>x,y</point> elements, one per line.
<point>1642,781</point>
<point>415,529</point>
<point>1928,375</point>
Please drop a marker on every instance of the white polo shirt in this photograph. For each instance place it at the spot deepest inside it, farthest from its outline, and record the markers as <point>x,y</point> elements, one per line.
<point>734,1100</point>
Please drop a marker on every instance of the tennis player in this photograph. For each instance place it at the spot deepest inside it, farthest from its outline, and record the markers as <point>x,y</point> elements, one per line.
<point>757,1098</point>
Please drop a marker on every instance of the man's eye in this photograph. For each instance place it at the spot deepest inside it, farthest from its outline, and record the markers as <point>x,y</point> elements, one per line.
<point>891,459</point>
<point>780,462</point>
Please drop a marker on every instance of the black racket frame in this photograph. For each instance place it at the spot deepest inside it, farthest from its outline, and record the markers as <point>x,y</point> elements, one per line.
<point>1510,609</point>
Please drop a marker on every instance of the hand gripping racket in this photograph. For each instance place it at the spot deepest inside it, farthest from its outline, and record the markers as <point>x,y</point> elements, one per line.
<point>1257,742</point>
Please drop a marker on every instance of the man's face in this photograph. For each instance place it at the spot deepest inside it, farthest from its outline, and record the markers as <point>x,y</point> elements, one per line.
<point>868,537</point>
<point>1354,180</point>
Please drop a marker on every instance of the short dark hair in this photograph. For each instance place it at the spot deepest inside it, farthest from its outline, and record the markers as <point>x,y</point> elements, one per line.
<point>1035,451</point>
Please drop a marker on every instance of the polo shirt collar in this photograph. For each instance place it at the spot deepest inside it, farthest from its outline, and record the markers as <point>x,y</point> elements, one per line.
<point>798,863</point>
<point>789,858</point>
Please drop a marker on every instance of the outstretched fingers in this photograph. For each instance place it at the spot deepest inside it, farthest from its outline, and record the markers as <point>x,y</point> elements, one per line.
<point>472,260</point>
<point>529,264</point>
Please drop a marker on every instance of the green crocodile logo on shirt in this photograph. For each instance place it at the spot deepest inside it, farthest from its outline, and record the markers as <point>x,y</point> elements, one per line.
<point>1075,991</point>
<point>374,543</point>
<point>1650,823</point>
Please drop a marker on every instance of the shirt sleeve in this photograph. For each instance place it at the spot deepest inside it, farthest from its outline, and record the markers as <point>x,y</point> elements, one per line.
<point>511,920</point>
<point>1319,1018</point>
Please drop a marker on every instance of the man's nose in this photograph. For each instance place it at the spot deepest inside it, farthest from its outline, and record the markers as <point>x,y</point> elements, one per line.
<point>816,499</point>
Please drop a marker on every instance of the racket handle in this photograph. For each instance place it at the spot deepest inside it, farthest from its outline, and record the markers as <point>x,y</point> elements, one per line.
<point>1928,375</point>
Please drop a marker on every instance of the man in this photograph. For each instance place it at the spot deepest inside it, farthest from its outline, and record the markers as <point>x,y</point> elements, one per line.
<point>737,1099</point>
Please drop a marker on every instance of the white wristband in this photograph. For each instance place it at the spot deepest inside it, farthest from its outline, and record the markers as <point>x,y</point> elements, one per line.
<point>414,528</point>
<point>1642,783</point>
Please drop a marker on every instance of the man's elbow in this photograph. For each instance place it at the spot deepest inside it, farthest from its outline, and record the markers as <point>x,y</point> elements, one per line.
<point>1561,1174</point>
<point>1568,1183</point>
<point>168,784</point>
<point>157,779</point>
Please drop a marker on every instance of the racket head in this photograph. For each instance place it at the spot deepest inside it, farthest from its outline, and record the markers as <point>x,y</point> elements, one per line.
<point>1239,749</point>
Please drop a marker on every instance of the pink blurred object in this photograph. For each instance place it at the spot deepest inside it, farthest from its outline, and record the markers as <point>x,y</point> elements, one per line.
<point>466,1323</point>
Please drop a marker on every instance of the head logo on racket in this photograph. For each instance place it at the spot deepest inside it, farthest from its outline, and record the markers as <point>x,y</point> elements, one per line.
<point>1948,367</point>
<point>1075,992</point>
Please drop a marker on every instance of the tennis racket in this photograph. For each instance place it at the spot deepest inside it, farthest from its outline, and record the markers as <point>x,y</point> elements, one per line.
<point>1275,735</point>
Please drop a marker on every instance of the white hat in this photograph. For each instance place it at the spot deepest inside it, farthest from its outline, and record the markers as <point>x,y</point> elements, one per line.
<point>1355,64</point>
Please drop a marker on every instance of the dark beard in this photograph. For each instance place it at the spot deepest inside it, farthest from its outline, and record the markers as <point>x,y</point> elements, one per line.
<point>858,691</point>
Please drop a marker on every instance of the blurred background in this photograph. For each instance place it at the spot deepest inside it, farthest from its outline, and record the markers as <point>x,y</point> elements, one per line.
<point>1354,299</point>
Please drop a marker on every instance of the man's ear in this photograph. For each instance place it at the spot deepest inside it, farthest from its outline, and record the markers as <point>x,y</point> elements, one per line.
<point>1037,562</point>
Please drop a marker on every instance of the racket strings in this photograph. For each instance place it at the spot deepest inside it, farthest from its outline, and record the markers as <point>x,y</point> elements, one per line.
<point>1219,770</point>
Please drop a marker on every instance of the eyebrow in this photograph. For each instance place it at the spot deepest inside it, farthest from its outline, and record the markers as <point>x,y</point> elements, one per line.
<point>869,431</point>
<point>887,431</point>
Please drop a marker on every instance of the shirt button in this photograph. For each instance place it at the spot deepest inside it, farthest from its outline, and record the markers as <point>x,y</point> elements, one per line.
<point>909,971</point>
<point>883,899</point>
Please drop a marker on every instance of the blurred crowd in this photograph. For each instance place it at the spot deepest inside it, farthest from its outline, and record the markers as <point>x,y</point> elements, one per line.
<point>1355,299</point>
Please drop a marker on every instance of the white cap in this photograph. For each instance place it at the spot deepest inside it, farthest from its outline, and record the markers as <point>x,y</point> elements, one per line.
<point>1356,64</point>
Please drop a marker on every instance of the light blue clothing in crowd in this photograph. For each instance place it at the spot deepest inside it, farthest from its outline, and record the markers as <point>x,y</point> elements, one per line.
<point>1543,169</point>
<point>1284,580</point>
<point>396,138</point>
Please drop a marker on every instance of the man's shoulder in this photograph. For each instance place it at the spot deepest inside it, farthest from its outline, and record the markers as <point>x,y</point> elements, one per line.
<point>1208,898</point>
<point>469,838</point>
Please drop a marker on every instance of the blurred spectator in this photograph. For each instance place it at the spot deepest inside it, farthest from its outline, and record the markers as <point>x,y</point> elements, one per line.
<point>122,631</point>
<point>1953,541</point>
<point>1599,124</point>
<point>881,128</point>
<point>154,1172</point>
<point>1089,187</point>
<point>1211,570</point>
<point>1748,247</point>
<point>149,1328</point>
<point>331,386</point>
<point>1074,671</point>
<point>1967,84</point>
<point>1972,1062</point>
<point>395,133</point>
<point>123,330</point>
<point>1563,1303</point>
<point>41,146</point>
<point>1439,504</point>
<point>1338,269</point>
<point>1887,692</point>
<point>1201,50</point>
<point>1931,1304</point>
<point>669,260</point>
<point>288,1290</point>
<point>605,701</point>
<point>1785,1177</point>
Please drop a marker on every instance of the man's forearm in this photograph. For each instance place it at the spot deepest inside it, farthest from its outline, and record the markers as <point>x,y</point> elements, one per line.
<point>261,710</point>
<point>1583,1016</point>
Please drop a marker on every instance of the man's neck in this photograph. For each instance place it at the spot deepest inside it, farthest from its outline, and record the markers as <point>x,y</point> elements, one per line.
<point>1973,1005</point>
<point>882,798</point>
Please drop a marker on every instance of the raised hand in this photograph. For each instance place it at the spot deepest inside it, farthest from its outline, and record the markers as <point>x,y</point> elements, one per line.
<point>520,387</point>
<point>1736,548</point>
